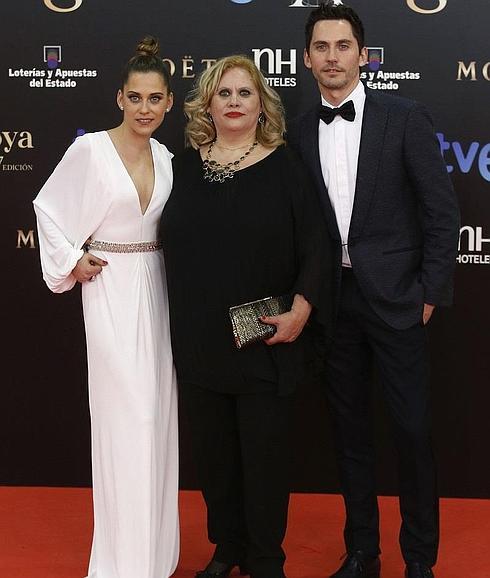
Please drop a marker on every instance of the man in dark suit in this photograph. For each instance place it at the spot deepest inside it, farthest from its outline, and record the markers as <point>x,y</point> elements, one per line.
<point>393,220</point>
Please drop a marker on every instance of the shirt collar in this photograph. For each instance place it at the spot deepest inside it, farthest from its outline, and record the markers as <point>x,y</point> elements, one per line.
<point>358,96</point>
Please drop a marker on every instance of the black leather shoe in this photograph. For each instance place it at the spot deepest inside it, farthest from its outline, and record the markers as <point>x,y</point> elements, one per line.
<point>418,570</point>
<point>217,569</point>
<point>358,565</point>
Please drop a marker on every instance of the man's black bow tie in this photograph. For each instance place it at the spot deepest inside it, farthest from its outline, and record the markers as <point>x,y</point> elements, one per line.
<point>346,111</point>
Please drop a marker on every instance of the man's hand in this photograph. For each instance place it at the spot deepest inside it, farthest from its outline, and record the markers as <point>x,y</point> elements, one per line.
<point>428,310</point>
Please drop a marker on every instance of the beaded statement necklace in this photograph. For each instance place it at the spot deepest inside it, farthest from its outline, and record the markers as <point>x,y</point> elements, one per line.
<point>214,171</point>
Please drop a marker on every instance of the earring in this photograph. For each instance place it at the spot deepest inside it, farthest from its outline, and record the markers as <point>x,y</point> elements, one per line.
<point>209,117</point>
<point>168,109</point>
<point>121,107</point>
<point>261,118</point>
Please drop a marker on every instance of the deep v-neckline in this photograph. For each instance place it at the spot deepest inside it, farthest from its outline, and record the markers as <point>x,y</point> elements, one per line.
<point>125,169</point>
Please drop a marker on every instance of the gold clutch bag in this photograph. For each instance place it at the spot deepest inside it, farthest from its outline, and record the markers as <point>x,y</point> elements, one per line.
<point>245,319</point>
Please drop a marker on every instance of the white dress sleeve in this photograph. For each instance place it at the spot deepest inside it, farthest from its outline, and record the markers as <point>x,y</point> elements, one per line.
<point>69,207</point>
<point>165,155</point>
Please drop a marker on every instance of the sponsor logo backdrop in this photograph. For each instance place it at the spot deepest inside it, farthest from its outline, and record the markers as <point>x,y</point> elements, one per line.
<point>59,76</point>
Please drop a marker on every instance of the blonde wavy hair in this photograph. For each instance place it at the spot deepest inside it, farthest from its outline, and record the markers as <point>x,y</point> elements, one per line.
<point>200,128</point>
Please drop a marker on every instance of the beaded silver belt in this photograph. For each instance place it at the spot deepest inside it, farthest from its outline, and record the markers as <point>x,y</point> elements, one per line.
<point>142,247</point>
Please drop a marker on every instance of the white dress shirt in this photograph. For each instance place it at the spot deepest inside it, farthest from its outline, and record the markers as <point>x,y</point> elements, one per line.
<point>339,144</point>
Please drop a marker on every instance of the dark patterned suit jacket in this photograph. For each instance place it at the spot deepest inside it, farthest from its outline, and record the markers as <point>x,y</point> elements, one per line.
<point>404,229</point>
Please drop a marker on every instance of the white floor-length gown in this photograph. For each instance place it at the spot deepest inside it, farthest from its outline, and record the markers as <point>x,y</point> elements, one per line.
<point>132,385</point>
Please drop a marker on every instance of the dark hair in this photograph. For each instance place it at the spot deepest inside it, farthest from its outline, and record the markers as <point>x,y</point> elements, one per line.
<point>146,59</point>
<point>330,11</point>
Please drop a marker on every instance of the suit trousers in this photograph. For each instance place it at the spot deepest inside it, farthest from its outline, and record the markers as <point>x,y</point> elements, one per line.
<point>241,445</point>
<point>362,343</point>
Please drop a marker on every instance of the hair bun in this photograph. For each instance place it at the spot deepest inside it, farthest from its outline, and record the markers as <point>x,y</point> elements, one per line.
<point>146,59</point>
<point>147,47</point>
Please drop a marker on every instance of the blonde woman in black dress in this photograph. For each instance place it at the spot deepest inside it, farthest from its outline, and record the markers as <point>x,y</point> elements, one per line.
<point>242,223</point>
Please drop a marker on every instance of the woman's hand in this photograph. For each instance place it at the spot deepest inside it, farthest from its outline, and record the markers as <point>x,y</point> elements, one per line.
<point>289,325</point>
<point>88,267</point>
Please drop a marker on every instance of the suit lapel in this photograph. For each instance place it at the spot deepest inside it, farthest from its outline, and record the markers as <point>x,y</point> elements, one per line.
<point>372,136</point>
<point>311,154</point>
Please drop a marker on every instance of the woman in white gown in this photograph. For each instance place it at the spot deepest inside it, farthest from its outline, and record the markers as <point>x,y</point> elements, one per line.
<point>98,216</point>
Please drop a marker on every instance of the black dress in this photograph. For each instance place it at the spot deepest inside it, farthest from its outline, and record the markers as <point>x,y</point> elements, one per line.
<point>259,234</point>
<point>256,235</point>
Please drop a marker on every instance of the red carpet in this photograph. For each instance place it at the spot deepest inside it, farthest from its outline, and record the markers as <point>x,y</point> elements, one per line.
<point>45,533</point>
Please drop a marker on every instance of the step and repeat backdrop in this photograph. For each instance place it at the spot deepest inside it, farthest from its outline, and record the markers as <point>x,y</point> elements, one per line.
<point>59,76</point>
